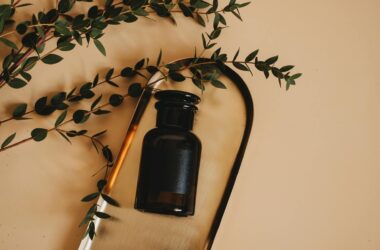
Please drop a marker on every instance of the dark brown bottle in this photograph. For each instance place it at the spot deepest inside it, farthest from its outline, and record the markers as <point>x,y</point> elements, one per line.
<point>170,157</point>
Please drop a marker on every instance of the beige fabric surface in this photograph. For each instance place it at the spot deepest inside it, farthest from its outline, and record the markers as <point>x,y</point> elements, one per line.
<point>221,136</point>
<point>310,178</point>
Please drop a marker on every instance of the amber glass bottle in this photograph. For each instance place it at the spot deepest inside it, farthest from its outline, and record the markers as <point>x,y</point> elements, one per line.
<point>170,157</point>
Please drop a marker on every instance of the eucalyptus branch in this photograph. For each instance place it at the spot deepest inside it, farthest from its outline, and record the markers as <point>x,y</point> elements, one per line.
<point>92,27</point>
<point>40,134</point>
<point>266,66</point>
<point>7,11</point>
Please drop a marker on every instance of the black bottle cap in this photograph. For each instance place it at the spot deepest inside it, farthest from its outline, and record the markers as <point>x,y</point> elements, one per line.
<point>176,108</point>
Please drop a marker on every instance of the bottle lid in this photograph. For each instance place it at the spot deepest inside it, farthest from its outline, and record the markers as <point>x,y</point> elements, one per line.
<point>176,108</point>
<point>173,98</point>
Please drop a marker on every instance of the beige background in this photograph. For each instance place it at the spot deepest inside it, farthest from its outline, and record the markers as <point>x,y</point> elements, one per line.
<point>310,178</point>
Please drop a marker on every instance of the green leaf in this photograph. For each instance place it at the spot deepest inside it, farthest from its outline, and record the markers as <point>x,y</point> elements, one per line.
<point>110,200</point>
<point>65,5</point>
<point>8,140</point>
<point>90,197</point>
<point>8,43</point>
<point>99,134</point>
<point>95,81</point>
<point>216,20</point>
<point>17,83</point>
<point>66,46</point>
<point>42,108</point>
<point>30,40</point>
<point>240,66</point>
<point>218,84</point>
<point>152,69</point>
<point>140,64</point>
<point>24,5</point>
<point>101,112</point>
<point>21,28</point>
<point>237,14</point>
<point>135,90</point>
<point>102,215</point>
<point>93,12</point>
<point>204,43</point>
<point>39,134</point>
<point>140,12</point>
<point>289,81</point>
<point>20,110</point>
<point>116,100</point>
<point>60,118</point>
<point>251,56</point>
<point>198,83</point>
<point>200,20</point>
<point>80,116</point>
<point>29,63</point>
<point>96,102</point>
<point>128,72</point>
<point>277,73</point>
<point>159,58</point>
<point>62,29</point>
<point>130,18</point>
<point>112,83</point>
<point>215,5</point>
<point>26,76</point>
<point>109,74</point>
<point>100,47</point>
<point>236,55</point>
<point>185,10</point>
<point>51,59</point>
<point>107,153</point>
<point>199,4</point>
<point>85,90</point>
<point>58,98</point>
<point>215,33</point>
<point>271,60</point>
<point>286,68</point>
<point>101,184</point>
<point>91,230</point>
<point>175,76</point>
<point>296,76</point>
<point>64,136</point>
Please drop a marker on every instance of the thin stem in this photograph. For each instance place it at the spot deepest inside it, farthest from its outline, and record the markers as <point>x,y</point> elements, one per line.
<point>29,26</point>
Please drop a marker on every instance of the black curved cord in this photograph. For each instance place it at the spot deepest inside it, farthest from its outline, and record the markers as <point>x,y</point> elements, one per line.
<point>244,91</point>
<point>239,82</point>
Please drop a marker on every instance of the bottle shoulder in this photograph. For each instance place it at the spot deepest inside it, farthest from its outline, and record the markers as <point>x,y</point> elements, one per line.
<point>171,134</point>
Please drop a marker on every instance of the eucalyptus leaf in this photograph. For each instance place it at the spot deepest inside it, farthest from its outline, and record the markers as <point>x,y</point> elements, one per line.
<point>251,56</point>
<point>110,200</point>
<point>135,90</point>
<point>175,76</point>
<point>116,100</point>
<point>17,83</point>
<point>20,110</point>
<point>8,43</point>
<point>100,47</point>
<point>39,134</point>
<point>8,140</point>
<point>51,59</point>
<point>60,118</point>
<point>90,197</point>
<point>102,215</point>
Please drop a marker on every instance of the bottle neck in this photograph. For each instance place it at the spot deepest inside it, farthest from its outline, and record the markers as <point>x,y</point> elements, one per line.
<point>173,117</point>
